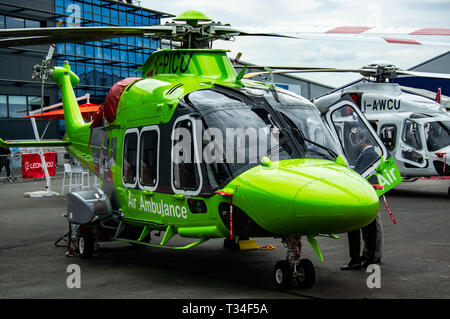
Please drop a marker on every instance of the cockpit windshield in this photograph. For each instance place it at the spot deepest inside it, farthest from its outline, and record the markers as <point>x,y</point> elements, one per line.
<point>437,135</point>
<point>239,129</point>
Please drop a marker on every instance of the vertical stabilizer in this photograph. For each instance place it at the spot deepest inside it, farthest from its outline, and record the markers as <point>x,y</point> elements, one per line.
<point>77,131</point>
<point>66,80</point>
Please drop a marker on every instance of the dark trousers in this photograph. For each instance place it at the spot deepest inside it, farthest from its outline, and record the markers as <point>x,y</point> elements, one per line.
<point>5,162</point>
<point>354,241</point>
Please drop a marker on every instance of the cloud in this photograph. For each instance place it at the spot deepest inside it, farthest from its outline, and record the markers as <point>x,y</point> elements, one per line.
<point>296,15</point>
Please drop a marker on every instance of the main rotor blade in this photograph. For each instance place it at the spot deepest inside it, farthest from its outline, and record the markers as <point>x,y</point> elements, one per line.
<point>396,31</point>
<point>353,30</point>
<point>365,72</point>
<point>424,74</point>
<point>32,36</point>
<point>72,32</point>
<point>305,70</point>
<point>362,34</point>
<point>264,67</point>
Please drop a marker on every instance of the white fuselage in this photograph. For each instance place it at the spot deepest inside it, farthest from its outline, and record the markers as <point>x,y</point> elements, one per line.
<point>405,124</point>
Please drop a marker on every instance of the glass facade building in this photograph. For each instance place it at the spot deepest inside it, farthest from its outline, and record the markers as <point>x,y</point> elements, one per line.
<point>100,64</point>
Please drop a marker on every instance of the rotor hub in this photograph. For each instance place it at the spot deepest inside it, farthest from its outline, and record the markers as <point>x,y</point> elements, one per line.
<point>381,72</point>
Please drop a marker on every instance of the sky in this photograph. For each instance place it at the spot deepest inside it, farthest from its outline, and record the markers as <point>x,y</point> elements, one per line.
<point>293,16</point>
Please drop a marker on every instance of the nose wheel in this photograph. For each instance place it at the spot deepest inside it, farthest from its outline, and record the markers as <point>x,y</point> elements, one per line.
<point>293,267</point>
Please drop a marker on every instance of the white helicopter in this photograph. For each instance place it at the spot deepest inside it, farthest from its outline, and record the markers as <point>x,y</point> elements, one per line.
<point>413,128</point>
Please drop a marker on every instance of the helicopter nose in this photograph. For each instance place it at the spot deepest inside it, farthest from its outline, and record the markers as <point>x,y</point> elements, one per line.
<point>336,204</point>
<point>306,196</point>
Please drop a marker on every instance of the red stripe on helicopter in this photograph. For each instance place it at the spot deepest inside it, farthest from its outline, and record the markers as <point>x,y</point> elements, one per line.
<point>401,41</point>
<point>432,31</point>
<point>348,29</point>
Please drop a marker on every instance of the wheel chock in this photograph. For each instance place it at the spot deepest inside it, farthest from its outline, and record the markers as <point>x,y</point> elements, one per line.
<point>248,244</point>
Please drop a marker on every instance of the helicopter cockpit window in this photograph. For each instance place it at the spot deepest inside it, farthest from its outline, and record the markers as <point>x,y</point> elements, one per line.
<point>304,117</point>
<point>207,99</point>
<point>411,134</point>
<point>360,147</point>
<point>129,158</point>
<point>437,135</point>
<point>236,134</point>
<point>148,153</point>
<point>247,135</point>
<point>185,171</point>
<point>308,121</point>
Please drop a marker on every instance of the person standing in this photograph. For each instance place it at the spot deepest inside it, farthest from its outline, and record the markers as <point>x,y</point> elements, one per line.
<point>5,155</point>
<point>367,157</point>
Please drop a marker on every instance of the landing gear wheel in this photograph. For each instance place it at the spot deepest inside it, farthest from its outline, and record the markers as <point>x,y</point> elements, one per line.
<point>306,275</point>
<point>282,275</point>
<point>86,245</point>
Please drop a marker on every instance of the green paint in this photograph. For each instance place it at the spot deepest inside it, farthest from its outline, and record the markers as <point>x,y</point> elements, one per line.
<point>315,246</point>
<point>388,175</point>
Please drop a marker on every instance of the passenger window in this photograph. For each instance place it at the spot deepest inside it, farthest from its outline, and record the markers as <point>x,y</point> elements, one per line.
<point>185,174</point>
<point>411,134</point>
<point>388,134</point>
<point>148,153</point>
<point>129,158</point>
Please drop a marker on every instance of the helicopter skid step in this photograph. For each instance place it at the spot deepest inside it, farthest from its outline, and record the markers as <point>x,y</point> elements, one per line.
<point>201,241</point>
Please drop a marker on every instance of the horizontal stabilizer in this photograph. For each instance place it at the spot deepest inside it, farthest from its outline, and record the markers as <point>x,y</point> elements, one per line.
<point>33,144</point>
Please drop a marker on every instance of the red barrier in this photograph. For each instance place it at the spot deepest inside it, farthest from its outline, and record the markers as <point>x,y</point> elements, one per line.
<point>32,165</point>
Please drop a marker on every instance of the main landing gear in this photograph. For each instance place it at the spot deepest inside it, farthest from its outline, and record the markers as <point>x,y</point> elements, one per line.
<point>293,267</point>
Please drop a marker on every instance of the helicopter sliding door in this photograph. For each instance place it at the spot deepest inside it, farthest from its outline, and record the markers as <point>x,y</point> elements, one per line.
<point>411,150</point>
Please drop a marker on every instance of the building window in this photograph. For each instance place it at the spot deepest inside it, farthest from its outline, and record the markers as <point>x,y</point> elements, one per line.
<point>34,103</point>
<point>3,106</point>
<point>32,24</point>
<point>7,22</point>
<point>17,106</point>
<point>14,23</point>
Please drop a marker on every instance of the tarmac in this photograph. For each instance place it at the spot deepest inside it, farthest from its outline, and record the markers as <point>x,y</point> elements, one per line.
<point>415,264</point>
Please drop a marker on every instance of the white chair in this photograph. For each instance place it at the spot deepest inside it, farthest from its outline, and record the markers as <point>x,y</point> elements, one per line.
<point>96,181</point>
<point>75,174</point>
<point>83,174</point>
